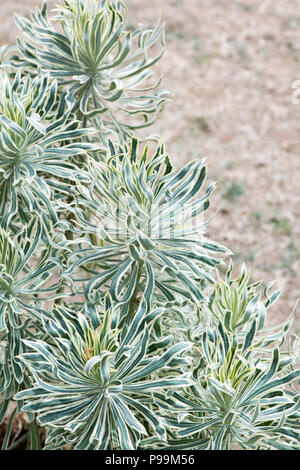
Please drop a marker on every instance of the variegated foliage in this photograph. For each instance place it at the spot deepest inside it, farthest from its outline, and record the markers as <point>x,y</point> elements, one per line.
<point>234,389</point>
<point>37,140</point>
<point>116,329</point>
<point>27,266</point>
<point>5,53</point>
<point>245,392</point>
<point>103,68</point>
<point>96,387</point>
<point>147,224</point>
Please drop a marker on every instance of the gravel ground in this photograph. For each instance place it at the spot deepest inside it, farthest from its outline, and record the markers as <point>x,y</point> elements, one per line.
<point>231,65</point>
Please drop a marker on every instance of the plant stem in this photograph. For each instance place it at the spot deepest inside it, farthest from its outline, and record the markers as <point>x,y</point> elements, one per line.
<point>133,300</point>
<point>35,443</point>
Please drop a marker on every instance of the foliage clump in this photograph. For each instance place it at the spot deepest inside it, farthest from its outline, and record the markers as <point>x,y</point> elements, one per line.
<point>117,329</point>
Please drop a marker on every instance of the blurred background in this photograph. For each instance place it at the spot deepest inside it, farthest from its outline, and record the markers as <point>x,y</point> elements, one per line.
<point>231,65</point>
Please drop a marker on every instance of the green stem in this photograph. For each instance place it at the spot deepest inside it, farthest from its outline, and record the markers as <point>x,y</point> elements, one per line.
<point>8,431</point>
<point>133,303</point>
<point>35,443</point>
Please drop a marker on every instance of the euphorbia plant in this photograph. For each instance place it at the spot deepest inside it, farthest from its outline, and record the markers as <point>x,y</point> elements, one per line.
<point>102,67</point>
<point>116,328</point>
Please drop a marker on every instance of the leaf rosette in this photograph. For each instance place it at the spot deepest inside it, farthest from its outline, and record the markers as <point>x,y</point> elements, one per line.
<point>149,218</point>
<point>103,68</point>
<point>95,386</point>
<point>37,140</point>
